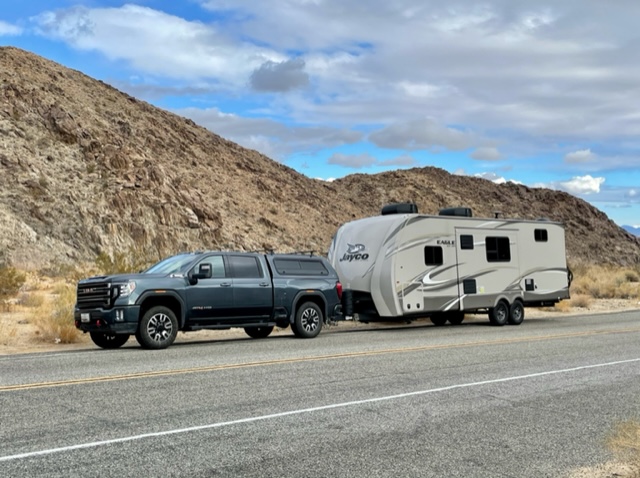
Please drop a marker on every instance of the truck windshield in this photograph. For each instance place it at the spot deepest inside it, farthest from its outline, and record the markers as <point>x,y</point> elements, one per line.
<point>172,264</point>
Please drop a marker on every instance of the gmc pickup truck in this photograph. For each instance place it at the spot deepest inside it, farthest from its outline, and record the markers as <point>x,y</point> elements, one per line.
<point>210,290</point>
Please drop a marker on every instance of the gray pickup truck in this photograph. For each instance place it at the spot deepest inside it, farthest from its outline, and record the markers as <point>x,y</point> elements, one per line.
<point>210,290</point>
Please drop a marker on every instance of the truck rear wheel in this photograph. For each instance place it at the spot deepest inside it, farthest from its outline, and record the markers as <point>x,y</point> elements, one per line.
<point>109,341</point>
<point>516,313</point>
<point>308,321</point>
<point>259,332</point>
<point>499,314</point>
<point>158,328</point>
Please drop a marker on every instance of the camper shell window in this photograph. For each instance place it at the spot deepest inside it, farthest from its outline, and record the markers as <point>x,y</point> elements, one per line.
<point>498,249</point>
<point>300,267</point>
<point>433,255</point>
<point>466,242</point>
<point>541,235</point>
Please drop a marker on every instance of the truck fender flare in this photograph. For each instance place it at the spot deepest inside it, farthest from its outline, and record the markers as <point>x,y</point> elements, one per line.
<point>298,298</point>
<point>165,293</point>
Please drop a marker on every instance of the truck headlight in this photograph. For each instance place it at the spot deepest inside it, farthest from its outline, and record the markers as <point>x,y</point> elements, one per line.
<point>127,288</point>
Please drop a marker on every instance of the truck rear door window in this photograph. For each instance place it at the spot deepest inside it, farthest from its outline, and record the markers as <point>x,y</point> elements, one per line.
<point>498,249</point>
<point>243,267</point>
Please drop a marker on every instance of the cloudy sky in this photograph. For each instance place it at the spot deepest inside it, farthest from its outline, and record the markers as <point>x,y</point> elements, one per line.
<point>545,92</point>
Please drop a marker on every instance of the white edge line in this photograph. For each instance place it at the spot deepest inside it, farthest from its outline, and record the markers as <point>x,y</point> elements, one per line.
<point>304,410</point>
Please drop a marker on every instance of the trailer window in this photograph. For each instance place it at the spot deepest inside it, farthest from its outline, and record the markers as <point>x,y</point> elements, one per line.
<point>466,242</point>
<point>498,249</point>
<point>541,235</point>
<point>433,255</point>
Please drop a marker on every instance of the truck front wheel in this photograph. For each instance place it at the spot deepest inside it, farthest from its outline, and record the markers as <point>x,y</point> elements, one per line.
<point>109,341</point>
<point>308,321</point>
<point>158,328</point>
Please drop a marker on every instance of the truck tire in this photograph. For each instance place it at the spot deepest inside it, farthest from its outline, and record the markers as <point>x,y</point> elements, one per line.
<point>308,321</point>
<point>516,313</point>
<point>499,314</point>
<point>109,341</point>
<point>158,328</point>
<point>260,332</point>
<point>438,319</point>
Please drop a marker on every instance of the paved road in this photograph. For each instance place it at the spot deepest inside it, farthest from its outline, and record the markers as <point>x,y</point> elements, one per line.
<point>474,400</point>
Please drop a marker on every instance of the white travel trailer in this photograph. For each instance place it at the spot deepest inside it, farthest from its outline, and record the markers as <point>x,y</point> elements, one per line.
<point>403,265</point>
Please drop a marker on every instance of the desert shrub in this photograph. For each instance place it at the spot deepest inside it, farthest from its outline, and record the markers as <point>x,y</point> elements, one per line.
<point>606,282</point>
<point>54,318</point>
<point>10,281</point>
<point>582,301</point>
<point>32,299</point>
<point>624,443</point>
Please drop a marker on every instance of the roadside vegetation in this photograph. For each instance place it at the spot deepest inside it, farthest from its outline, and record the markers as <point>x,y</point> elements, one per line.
<point>45,299</point>
<point>624,443</point>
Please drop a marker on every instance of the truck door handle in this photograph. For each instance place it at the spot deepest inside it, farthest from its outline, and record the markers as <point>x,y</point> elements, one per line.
<point>264,284</point>
<point>225,284</point>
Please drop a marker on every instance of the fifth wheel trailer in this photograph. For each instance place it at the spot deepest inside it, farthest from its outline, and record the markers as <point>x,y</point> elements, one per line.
<point>403,265</point>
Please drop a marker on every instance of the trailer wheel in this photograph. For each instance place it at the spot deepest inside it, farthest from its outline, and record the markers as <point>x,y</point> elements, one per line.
<point>499,314</point>
<point>516,313</point>
<point>308,321</point>
<point>455,318</point>
<point>108,341</point>
<point>438,319</point>
<point>259,332</point>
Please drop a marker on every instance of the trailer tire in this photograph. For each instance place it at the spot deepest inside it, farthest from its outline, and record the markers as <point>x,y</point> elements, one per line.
<point>108,341</point>
<point>516,313</point>
<point>308,321</point>
<point>455,318</point>
<point>499,314</point>
<point>260,332</point>
<point>438,319</point>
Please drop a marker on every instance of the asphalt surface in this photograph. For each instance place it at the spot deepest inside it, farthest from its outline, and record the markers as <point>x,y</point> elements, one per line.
<point>474,400</point>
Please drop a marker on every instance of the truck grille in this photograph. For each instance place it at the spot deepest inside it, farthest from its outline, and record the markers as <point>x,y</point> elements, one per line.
<point>96,294</point>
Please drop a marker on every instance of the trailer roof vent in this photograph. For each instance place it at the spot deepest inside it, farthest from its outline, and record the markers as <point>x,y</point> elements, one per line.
<point>400,208</point>
<point>456,211</point>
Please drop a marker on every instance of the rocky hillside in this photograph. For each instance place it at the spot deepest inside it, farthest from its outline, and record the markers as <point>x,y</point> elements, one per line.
<point>85,168</point>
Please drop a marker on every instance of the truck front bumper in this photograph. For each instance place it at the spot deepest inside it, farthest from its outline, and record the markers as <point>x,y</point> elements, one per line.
<point>118,320</point>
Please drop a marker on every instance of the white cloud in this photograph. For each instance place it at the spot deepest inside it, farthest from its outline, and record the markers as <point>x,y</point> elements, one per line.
<point>421,134</point>
<point>269,136</point>
<point>278,77</point>
<point>355,161</point>
<point>581,185</point>
<point>582,156</point>
<point>156,42</point>
<point>487,154</point>
<point>6,29</point>
<point>365,160</point>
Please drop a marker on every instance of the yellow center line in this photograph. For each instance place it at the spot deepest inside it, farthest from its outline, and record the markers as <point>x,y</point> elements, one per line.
<point>368,353</point>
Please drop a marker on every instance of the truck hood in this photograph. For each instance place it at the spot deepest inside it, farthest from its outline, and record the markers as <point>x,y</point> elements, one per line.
<point>121,278</point>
